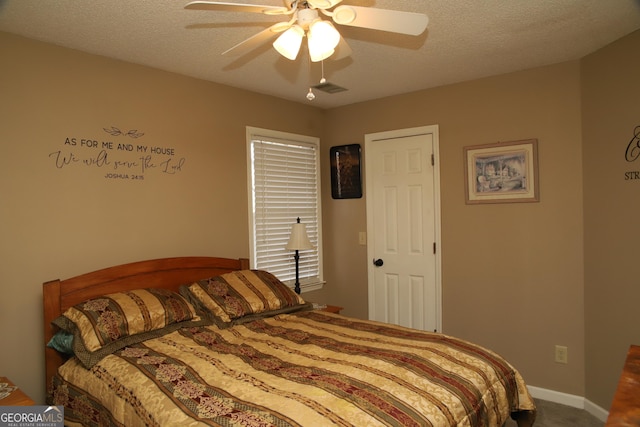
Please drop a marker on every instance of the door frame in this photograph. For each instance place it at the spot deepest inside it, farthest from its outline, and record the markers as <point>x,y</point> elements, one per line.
<point>394,134</point>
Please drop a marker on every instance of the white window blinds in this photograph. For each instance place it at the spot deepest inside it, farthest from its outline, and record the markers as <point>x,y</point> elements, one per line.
<point>285,185</point>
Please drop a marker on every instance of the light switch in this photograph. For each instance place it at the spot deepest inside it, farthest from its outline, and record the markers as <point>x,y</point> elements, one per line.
<point>362,238</point>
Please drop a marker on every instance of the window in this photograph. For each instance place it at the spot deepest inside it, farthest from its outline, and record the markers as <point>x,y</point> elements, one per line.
<point>284,184</point>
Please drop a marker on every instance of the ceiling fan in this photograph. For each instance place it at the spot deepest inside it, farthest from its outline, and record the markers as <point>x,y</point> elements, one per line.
<point>323,39</point>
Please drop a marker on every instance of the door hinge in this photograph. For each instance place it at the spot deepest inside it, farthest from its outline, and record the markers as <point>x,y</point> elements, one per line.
<point>434,247</point>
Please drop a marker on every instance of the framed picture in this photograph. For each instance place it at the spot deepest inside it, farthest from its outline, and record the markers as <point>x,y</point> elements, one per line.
<point>345,172</point>
<point>504,172</point>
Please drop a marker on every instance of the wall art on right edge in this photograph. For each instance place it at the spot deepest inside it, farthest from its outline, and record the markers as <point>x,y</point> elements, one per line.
<point>345,172</point>
<point>504,172</point>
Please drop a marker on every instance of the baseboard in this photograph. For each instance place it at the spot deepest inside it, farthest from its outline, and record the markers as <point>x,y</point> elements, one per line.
<point>569,400</point>
<point>595,410</point>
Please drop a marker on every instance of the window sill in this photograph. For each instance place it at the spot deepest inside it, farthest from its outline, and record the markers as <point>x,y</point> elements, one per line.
<point>308,287</point>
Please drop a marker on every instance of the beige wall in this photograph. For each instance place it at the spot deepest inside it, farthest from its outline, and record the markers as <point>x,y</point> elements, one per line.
<point>611,112</point>
<point>57,223</point>
<point>513,274</point>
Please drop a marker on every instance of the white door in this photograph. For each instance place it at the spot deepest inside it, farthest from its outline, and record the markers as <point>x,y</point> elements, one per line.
<point>403,227</point>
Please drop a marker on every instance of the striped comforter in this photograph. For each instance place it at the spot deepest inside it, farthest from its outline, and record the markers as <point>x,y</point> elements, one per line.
<point>306,369</point>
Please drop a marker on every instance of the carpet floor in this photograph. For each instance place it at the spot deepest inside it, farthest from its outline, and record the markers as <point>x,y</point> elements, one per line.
<point>552,414</point>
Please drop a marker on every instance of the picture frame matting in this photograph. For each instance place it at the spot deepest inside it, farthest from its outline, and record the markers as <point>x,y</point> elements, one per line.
<point>502,172</point>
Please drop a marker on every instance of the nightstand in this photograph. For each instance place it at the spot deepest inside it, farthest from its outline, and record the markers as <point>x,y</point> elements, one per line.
<point>332,309</point>
<point>16,398</point>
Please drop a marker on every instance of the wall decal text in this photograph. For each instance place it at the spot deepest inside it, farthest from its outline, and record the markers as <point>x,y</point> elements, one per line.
<point>118,160</point>
<point>632,154</point>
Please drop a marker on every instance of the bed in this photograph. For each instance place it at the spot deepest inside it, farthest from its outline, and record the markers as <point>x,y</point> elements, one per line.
<point>197,341</point>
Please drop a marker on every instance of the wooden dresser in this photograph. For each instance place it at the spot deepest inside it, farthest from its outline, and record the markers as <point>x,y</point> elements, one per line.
<point>625,409</point>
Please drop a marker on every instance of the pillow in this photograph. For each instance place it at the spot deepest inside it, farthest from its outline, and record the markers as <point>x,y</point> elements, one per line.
<point>111,322</point>
<point>242,296</point>
<point>62,341</point>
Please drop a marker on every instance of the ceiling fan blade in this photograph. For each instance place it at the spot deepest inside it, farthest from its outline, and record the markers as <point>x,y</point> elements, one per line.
<point>342,50</point>
<point>323,4</point>
<point>235,7</point>
<point>257,40</point>
<point>394,21</point>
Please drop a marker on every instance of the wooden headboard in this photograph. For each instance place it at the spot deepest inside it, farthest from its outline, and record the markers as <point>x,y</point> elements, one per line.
<point>168,273</point>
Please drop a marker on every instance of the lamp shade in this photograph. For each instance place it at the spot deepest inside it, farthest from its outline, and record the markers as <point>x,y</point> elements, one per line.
<point>298,239</point>
<point>323,39</point>
<point>288,44</point>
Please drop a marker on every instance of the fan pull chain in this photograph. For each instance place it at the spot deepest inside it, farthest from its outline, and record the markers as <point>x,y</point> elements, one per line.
<point>323,80</point>
<point>310,95</point>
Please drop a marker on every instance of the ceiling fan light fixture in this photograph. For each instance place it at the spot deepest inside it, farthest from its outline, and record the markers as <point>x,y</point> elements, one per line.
<point>317,56</point>
<point>323,39</point>
<point>306,17</point>
<point>288,43</point>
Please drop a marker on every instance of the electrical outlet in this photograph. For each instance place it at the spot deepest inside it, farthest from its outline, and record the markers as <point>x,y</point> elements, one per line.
<point>562,354</point>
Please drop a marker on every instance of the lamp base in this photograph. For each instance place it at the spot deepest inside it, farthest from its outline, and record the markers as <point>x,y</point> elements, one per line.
<point>297,286</point>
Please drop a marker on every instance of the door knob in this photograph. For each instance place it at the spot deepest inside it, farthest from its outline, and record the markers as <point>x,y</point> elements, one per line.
<point>378,262</point>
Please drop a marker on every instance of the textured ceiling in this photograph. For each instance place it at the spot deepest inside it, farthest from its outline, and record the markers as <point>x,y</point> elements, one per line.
<point>465,40</point>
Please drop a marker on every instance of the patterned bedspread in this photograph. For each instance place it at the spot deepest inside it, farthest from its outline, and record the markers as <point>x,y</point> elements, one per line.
<point>306,369</point>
